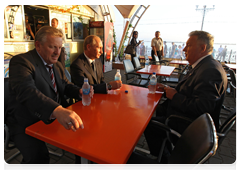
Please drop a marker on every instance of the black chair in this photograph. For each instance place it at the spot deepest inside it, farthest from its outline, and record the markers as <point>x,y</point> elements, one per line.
<point>133,78</point>
<point>156,61</point>
<point>226,126</point>
<point>138,67</point>
<point>195,146</point>
<point>176,76</point>
<point>8,144</point>
<point>233,81</point>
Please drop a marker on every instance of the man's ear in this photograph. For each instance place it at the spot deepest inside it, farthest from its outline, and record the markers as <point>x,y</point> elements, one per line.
<point>203,48</point>
<point>37,45</point>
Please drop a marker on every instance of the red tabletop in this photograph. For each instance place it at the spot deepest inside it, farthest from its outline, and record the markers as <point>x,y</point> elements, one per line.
<point>160,70</point>
<point>113,124</point>
<point>232,66</point>
<point>180,62</point>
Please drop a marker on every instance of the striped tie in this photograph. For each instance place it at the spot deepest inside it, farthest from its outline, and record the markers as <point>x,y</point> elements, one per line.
<point>52,78</point>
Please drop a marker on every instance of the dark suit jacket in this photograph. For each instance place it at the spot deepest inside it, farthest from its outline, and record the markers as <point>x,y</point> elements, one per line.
<point>202,91</point>
<point>81,68</point>
<point>32,96</point>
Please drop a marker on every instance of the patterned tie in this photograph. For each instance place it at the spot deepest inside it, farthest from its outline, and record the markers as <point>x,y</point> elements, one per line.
<point>52,78</point>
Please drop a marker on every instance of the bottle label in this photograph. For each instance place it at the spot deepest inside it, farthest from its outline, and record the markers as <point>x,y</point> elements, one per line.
<point>117,78</point>
<point>153,82</point>
<point>86,91</point>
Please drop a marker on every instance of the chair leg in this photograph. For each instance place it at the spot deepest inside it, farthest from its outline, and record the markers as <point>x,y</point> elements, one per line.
<point>161,150</point>
<point>13,156</point>
<point>57,154</point>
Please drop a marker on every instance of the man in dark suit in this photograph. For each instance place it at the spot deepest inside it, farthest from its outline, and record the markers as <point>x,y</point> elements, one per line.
<point>37,94</point>
<point>200,91</point>
<point>88,65</point>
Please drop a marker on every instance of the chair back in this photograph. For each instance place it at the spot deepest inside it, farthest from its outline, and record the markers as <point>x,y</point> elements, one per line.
<point>227,126</point>
<point>137,63</point>
<point>233,77</point>
<point>6,95</point>
<point>156,58</point>
<point>128,66</point>
<point>197,143</point>
<point>146,57</point>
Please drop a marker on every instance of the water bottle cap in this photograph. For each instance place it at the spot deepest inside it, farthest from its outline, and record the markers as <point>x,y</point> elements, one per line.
<point>126,91</point>
<point>154,73</point>
<point>85,79</point>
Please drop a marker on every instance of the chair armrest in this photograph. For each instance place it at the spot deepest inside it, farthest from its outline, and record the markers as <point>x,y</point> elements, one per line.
<point>179,118</point>
<point>166,128</point>
<point>232,85</point>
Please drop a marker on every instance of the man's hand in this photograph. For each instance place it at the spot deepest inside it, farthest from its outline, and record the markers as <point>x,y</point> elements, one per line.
<point>116,84</point>
<point>68,118</point>
<point>91,91</point>
<point>160,87</point>
<point>170,92</point>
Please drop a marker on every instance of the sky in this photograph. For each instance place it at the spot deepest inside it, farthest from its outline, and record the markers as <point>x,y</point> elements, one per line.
<point>176,20</point>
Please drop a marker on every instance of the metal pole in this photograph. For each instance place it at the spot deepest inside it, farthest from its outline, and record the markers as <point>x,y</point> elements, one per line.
<point>204,10</point>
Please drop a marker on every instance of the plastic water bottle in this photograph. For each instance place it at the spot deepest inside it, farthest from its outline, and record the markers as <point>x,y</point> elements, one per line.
<point>146,64</point>
<point>153,83</point>
<point>117,76</point>
<point>86,99</point>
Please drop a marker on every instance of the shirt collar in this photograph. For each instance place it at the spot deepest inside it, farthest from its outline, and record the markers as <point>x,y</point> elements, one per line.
<point>44,61</point>
<point>89,60</point>
<point>200,59</point>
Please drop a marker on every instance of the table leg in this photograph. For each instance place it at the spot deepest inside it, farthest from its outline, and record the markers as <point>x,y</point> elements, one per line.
<point>84,164</point>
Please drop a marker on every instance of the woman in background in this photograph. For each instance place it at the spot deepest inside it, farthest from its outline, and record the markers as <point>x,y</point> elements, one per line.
<point>134,43</point>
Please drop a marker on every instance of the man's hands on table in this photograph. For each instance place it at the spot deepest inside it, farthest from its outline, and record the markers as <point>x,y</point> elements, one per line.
<point>170,92</point>
<point>68,118</point>
<point>116,84</point>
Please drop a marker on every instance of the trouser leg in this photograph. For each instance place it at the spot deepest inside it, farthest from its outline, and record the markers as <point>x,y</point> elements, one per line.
<point>34,151</point>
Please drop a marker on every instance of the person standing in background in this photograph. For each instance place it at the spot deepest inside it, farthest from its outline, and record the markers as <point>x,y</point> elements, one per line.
<point>172,51</point>
<point>157,46</point>
<point>165,49</point>
<point>54,24</point>
<point>220,53</point>
<point>134,43</point>
<point>142,50</point>
<point>224,52</point>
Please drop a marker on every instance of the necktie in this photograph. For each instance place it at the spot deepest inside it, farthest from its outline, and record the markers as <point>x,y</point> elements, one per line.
<point>94,71</point>
<point>52,78</point>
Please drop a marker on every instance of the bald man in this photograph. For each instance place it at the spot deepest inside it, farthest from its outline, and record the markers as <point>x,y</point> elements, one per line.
<point>88,65</point>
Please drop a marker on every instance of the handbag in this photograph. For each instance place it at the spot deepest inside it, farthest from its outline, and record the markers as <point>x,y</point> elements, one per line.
<point>130,49</point>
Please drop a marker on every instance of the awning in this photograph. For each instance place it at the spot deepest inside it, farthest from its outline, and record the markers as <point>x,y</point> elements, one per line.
<point>127,10</point>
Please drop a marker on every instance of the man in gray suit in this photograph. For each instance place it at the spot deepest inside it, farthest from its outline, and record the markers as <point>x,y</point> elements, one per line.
<point>88,65</point>
<point>37,86</point>
<point>200,91</point>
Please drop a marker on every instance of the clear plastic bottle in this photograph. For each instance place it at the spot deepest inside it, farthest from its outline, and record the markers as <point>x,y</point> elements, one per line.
<point>153,83</point>
<point>146,64</point>
<point>86,99</point>
<point>117,76</point>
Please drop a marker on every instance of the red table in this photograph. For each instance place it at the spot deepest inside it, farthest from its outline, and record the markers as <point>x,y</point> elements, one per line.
<point>232,66</point>
<point>160,70</point>
<point>113,124</point>
<point>180,62</point>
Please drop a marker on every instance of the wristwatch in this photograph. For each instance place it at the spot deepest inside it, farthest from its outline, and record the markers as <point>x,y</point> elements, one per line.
<point>109,86</point>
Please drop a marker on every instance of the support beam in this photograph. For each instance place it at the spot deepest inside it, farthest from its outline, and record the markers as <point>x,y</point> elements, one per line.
<point>123,36</point>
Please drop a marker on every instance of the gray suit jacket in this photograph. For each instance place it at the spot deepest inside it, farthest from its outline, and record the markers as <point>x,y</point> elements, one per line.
<point>32,96</point>
<point>81,68</point>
